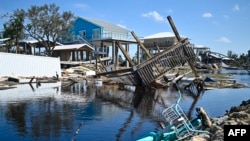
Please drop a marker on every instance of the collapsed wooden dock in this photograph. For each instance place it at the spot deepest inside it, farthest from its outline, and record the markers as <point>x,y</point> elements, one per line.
<point>155,67</point>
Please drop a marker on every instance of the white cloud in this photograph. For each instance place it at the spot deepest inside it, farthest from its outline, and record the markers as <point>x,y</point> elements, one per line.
<point>207,15</point>
<point>236,7</point>
<point>123,26</point>
<point>224,40</point>
<point>155,16</point>
<point>80,5</point>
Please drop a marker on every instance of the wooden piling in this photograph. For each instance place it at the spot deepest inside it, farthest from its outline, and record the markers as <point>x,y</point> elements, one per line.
<point>125,53</point>
<point>177,35</point>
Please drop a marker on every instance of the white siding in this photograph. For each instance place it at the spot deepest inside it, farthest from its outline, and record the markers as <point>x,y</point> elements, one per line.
<point>28,65</point>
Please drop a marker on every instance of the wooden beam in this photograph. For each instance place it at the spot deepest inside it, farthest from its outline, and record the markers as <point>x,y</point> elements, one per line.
<point>141,45</point>
<point>177,35</point>
<point>144,48</point>
<point>129,70</point>
<point>125,53</point>
<point>156,44</point>
<point>103,66</point>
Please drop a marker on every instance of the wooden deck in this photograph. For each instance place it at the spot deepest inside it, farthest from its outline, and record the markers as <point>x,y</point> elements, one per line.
<point>155,67</point>
<point>145,73</point>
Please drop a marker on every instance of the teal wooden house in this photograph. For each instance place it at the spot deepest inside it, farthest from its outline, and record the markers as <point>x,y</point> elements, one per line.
<point>100,35</point>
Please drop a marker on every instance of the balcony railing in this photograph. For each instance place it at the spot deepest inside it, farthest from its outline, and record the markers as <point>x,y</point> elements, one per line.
<point>89,38</point>
<point>115,36</point>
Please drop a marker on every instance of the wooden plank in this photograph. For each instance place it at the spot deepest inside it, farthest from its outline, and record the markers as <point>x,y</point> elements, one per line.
<point>125,54</point>
<point>144,78</point>
<point>156,44</point>
<point>173,60</point>
<point>141,45</point>
<point>177,56</point>
<point>151,65</point>
<point>164,53</point>
<point>145,71</point>
<point>177,35</point>
<point>166,63</point>
<point>100,61</point>
<point>141,76</point>
<point>129,70</point>
<point>179,39</point>
<point>150,72</point>
<point>171,57</point>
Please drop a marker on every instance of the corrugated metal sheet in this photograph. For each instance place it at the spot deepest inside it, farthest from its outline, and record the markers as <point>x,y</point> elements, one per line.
<point>28,65</point>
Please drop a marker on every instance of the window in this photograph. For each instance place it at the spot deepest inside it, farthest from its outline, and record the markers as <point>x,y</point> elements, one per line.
<point>96,33</point>
<point>168,41</point>
<point>82,33</point>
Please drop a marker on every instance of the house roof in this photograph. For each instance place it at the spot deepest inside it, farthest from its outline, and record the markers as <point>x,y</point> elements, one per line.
<point>160,35</point>
<point>4,39</point>
<point>215,56</point>
<point>33,41</point>
<point>107,25</point>
<point>83,47</point>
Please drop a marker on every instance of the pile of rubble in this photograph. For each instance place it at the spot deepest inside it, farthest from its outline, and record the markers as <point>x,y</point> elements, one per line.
<point>237,115</point>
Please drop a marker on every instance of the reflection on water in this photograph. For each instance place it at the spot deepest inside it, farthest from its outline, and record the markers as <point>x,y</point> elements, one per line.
<point>37,114</point>
<point>83,111</point>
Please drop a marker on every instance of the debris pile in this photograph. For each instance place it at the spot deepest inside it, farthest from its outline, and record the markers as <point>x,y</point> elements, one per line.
<point>237,115</point>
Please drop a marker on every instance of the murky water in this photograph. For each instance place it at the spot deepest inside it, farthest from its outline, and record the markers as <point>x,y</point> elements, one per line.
<point>86,112</point>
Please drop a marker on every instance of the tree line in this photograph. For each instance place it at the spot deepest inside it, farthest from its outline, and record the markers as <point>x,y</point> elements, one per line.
<point>43,23</point>
<point>241,60</point>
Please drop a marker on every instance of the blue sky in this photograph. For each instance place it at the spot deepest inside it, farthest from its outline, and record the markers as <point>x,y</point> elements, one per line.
<point>221,25</point>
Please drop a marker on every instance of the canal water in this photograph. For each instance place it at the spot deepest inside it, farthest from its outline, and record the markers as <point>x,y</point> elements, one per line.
<point>83,111</point>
